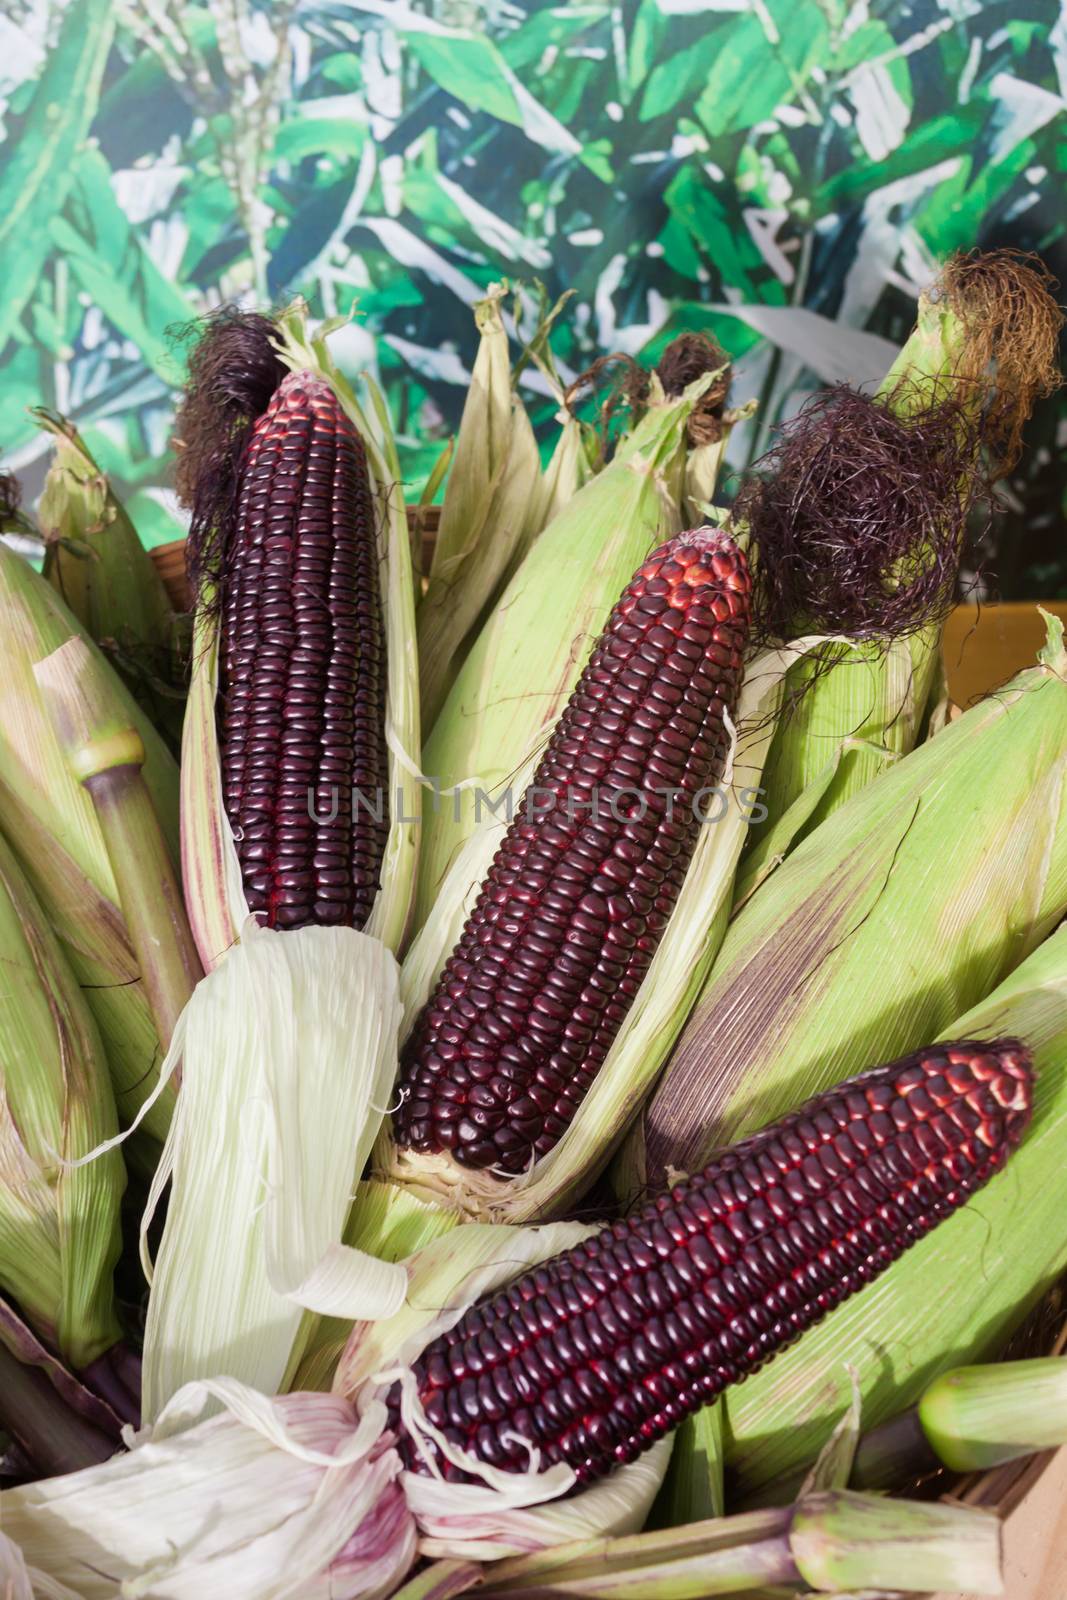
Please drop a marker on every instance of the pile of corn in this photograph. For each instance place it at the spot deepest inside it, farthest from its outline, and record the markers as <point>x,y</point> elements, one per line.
<point>521,1102</point>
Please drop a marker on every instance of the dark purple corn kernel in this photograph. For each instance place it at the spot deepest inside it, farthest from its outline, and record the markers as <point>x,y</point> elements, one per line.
<point>596,1354</point>
<point>301,707</point>
<point>579,892</point>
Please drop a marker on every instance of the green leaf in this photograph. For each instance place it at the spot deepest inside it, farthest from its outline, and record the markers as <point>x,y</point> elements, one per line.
<point>555,26</point>
<point>953,214</point>
<point>646,38</point>
<point>870,39</point>
<point>693,202</point>
<point>343,71</point>
<point>677,79</point>
<point>471,68</point>
<point>38,169</point>
<point>152,520</point>
<point>20,378</point>
<point>341,137</point>
<point>753,73</point>
<point>927,144</point>
<point>112,266</point>
<point>209,212</point>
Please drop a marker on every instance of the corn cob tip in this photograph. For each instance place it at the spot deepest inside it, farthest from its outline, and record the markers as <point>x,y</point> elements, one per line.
<point>597,1353</point>
<point>579,893</point>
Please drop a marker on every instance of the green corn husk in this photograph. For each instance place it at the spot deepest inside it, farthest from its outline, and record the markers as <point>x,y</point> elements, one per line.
<point>957,1295</point>
<point>106,755</point>
<point>530,653</point>
<point>911,903</point>
<point>491,492</point>
<point>95,561</point>
<point>827,1543</point>
<point>858,707</point>
<point>50,822</point>
<point>496,502</point>
<point>59,1224</point>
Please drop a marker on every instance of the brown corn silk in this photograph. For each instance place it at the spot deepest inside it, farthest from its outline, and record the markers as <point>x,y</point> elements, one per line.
<point>1012,322</point>
<point>302,670</point>
<point>578,895</point>
<point>593,1356</point>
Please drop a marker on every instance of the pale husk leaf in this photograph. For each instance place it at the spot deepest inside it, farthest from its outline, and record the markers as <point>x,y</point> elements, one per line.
<point>288,1052</point>
<point>276,1499</point>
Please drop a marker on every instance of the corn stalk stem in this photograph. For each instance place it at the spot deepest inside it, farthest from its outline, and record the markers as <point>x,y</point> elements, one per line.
<point>106,756</point>
<point>51,1434</point>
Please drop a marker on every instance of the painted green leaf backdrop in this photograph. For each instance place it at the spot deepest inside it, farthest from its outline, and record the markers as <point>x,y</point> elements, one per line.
<point>729,165</point>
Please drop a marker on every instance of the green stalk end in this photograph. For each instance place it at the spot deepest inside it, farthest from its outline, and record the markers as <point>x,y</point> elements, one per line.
<point>978,1417</point>
<point>843,1542</point>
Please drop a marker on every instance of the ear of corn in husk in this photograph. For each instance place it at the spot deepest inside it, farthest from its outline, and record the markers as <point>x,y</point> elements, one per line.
<point>59,1223</point>
<point>913,902</point>
<point>218,908</point>
<point>829,1542</point>
<point>497,499</point>
<point>683,952</point>
<point>106,754</point>
<point>288,1047</point>
<point>855,708</point>
<point>492,491</point>
<point>95,560</point>
<point>1000,1253</point>
<point>49,819</point>
<point>528,656</point>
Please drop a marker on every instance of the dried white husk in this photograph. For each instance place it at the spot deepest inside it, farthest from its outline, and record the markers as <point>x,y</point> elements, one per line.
<point>304,1496</point>
<point>288,1054</point>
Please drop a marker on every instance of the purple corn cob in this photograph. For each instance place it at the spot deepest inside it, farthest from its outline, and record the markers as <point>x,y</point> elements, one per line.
<point>302,667</point>
<point>605,1349</point>
<point>579,893</point>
